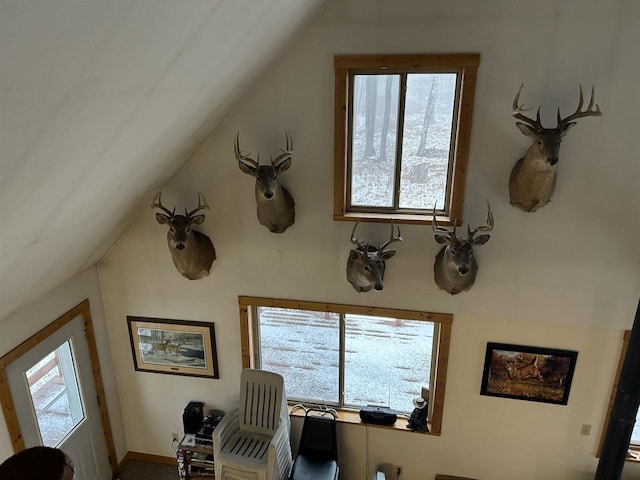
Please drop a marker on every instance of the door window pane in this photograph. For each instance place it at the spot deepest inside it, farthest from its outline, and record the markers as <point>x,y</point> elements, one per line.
<point>55,395</point>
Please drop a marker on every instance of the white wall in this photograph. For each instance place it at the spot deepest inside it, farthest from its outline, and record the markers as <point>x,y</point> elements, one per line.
<point>22,324</point>
<point>563,277</point>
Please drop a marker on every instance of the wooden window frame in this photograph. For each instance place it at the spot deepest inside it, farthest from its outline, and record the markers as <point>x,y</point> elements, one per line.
<point>345,66</point>
<point>440,350</point>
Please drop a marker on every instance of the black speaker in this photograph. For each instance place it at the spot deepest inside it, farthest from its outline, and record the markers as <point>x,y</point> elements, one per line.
<point>192,417</point>
<point>378,415</point>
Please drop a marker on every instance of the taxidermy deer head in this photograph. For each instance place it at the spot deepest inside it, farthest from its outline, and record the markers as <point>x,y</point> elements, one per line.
<point>455,267</point>
<point>366,263</point>
<point>533,178</point>
<point>274,203</point>
<point>192,252</point>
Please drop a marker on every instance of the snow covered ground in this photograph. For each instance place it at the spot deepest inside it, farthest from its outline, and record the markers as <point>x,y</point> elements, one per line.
<point>303,347</point>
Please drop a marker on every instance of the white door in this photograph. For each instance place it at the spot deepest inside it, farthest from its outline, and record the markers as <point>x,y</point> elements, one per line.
<point>56,403</point>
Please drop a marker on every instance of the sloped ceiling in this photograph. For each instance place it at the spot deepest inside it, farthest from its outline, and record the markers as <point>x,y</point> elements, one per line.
<point>101,102</point>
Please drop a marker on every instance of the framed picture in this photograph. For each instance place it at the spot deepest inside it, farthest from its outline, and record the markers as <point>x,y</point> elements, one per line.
<point>177,347</point>
<point>528,373</point>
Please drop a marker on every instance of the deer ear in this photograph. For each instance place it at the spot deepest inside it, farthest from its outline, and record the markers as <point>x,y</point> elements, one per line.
<point>282,166</point>
<point>442,239</point>
<point>354,255</point>
<point>162,218</point>
<point>481,240</point>
<point>246,168</point>
<point>197,220</point>
<point>565,128</point>
<point>387,254</point>
<point>527,130</point>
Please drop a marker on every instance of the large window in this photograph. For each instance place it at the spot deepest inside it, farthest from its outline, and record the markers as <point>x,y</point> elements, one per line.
<point>401,137</point>
<point>348,356</point>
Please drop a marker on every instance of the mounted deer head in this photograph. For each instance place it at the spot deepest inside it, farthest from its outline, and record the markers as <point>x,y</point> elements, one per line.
<point>455,267</point>
<point>274,203</point>
<point>192,252</point>
<point>366,263</point>
<point>533,178</point>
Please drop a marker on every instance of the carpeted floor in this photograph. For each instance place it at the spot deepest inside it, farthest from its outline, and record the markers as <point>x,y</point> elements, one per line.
<point>139,470</point>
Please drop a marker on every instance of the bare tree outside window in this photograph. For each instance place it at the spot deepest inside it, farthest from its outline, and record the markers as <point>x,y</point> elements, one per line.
<point>373,175</point>
<point>428,124</point>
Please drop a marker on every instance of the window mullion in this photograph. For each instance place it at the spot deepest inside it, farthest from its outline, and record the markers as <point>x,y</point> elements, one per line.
<point>254,322</point>
<point>402,94</point>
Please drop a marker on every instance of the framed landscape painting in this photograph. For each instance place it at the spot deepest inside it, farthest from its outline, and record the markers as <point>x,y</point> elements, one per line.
<point>528,373</point>
<point>176,347</point>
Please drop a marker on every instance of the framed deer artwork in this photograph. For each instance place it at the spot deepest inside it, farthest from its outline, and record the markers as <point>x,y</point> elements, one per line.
<point>528,373</point>
<point>176,347</point>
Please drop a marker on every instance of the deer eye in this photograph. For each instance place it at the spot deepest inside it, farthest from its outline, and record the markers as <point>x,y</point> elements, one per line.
<point>259,179</point>
<point>274,178</point>
<point>367,268</point>
<point>540,143</point>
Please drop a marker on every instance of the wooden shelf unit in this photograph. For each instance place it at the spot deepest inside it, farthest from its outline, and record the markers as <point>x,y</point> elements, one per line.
<point>203,468</point>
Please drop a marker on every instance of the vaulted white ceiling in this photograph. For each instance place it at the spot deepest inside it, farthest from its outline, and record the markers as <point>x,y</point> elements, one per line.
<point>101,102</point>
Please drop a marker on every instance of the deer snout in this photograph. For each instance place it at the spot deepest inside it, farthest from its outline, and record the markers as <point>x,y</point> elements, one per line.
<point>552,160</point>
<point>463,269</point>
<point>180,246</point>
<point>268,195</point>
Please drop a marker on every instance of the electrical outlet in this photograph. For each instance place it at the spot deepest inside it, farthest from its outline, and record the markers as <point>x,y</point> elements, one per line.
<point>585,430</point>
<point>174,436</point>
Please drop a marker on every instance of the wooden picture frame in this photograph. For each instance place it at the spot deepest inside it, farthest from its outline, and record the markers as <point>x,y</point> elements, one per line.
<point>175,347</point>
<point>528,373</point>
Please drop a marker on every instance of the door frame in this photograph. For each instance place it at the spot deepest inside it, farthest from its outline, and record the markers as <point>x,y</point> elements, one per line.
<point>8,407</point>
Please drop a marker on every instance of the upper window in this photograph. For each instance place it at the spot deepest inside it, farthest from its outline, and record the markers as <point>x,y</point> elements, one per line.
<point>347,356</point>
<point>402,127</point>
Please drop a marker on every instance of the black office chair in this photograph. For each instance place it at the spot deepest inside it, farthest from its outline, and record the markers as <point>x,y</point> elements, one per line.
<point>317,457</point>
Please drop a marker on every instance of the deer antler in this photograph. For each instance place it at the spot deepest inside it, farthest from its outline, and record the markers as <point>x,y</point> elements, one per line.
<point>589,112</point>
<point>244,158</point>
<point>518,109</point>
<point>355,241</point>
<point>202,204</point>
<point>438,229</point>
<point>487,227</point>
<point>391,240</point>
<point>157,203</point>
<point>286,153</point>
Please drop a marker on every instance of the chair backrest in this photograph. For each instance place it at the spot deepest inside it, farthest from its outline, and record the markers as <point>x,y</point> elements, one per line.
<point>318,438</point>
<point>262,400</point>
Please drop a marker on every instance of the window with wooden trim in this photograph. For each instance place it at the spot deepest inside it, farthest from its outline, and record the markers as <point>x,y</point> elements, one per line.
<point>633,453</point>
<point>402,129</point>
<point>347,356</point>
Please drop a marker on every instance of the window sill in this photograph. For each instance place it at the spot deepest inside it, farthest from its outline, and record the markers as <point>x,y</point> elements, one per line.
<point>351,417</point>
<point>397,218</point>
<point>633,455</point>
